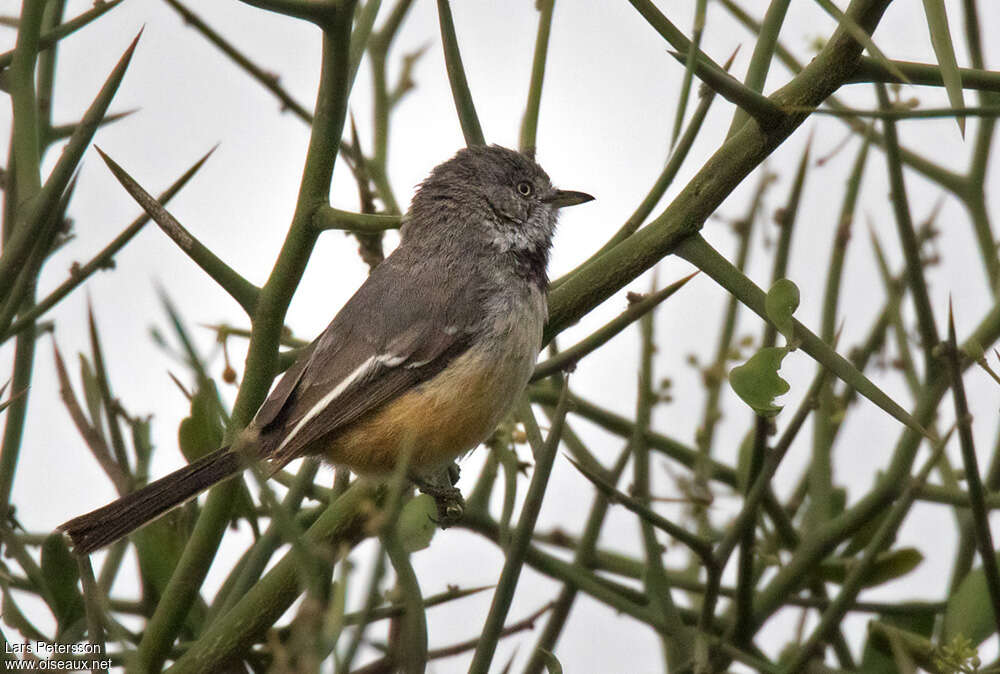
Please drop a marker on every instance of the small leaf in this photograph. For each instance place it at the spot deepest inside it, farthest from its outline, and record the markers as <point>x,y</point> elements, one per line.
<point>141,440</point>
<point>159,546</point>
<point>968,612</point>
<point>202,431</point>
<point>416,523</point>
<point>877,657</point>
<point>888,566</point>
<point>894,564</point>
<point>781,302</point>
<point>896,644</point>
<point>61,573</point>
<point>757,381</point>
<point>92,394</point>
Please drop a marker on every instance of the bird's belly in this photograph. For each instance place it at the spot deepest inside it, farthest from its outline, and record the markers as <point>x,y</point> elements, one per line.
<point>447,415</point>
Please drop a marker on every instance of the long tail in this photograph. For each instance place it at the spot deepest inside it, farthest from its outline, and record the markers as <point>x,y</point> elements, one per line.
<point>119,518</point>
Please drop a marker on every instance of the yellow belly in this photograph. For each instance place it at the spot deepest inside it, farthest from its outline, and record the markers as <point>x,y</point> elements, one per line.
<point>436,421</point>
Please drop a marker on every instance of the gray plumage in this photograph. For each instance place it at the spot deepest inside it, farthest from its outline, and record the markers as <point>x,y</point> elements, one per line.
<point>447,327</point>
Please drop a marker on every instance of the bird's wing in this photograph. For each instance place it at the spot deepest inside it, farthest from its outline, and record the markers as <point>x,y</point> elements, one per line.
<point>389,337</point>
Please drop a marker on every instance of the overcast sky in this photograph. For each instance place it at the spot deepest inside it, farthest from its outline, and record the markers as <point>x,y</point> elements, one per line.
<point>607,111</point>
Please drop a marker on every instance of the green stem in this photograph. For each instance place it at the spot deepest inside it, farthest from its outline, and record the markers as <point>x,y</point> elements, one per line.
<point>977,497</point>
<point>746,576</point>
<point>51,37</point>
<point>545,454</point>
<point>328,217</point>
<point>529,124</point>
<point>102,260</point>
<point>685,455</point>
<point>697,29</point>
<point>763,54</point>
<point>932,171</point>
<point>15,414</point>
<point>697,251</point>
<point>720,175</point>
<point>908,236</point>
<point>267,79</point>
<point>265,337</point>
<point>824,423</point>
<point>656,192</point>
<point>677,647</point>
<point>870,70</point>
<point>262,605</point>
<point>241,290</point>
<point>825,539</point>
<point>412,654</point>
<point>456,75</point>
<point>568,358</point>
<point>26,151</point>
<point>583,556</point>
<point>754,104</point>
<point>855,581</point>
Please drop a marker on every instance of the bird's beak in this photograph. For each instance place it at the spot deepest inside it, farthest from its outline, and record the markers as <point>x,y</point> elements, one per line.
<point>562,198</point>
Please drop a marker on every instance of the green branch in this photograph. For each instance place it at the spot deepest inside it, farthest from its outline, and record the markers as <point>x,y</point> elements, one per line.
<point>467,116</point>
<point>695,250</point>
<point>103,260</point>
<point>268,320</point>
<point>529,123</point>
<point>327,217</point>
<point>520,540</point>
<point>241,290</point>
<point>720,175</point>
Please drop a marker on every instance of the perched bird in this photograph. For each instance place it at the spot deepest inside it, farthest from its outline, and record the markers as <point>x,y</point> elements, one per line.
<point>425,358</point>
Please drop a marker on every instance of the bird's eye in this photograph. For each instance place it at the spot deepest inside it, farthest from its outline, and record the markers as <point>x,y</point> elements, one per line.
<point>525,188</point>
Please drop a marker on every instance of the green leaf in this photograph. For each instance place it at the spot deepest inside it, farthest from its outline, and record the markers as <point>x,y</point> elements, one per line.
<point>201,432</point>
<point>141,441</point>
<point>61,574</point>
<point>781,302</point>
<point>888,566</point>
<point>937,24</point>
<point>416,524</point>
<point>969,612</point>
<point>757,381</point>
<point>92,394</point>
<point>895,644</point>
<point>877,656</point>
<point>159,546</point>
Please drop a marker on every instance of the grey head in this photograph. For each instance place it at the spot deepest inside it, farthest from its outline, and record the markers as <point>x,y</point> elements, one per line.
<point>490,199</point>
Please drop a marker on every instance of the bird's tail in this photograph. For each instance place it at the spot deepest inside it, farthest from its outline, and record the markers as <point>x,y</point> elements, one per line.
<point>119,518</point>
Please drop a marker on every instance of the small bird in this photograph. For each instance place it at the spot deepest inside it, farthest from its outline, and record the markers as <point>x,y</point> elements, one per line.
<point>424,360</point>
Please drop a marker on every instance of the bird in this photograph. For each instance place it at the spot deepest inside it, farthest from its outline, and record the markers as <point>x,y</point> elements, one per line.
<point>423,361</point>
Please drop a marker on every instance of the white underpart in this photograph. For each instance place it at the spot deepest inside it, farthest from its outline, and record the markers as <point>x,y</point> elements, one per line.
<point>359,373</point>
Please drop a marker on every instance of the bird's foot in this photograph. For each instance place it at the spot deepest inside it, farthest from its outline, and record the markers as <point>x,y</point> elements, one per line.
<point>441,487</point>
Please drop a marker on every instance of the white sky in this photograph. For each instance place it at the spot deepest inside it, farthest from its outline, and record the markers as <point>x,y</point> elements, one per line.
<point>607,111</point>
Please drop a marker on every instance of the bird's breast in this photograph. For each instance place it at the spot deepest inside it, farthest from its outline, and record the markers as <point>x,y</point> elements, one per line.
<point>456,409</point>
